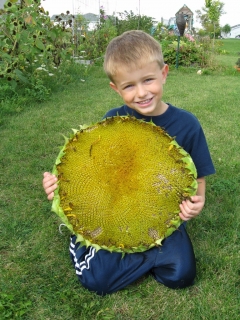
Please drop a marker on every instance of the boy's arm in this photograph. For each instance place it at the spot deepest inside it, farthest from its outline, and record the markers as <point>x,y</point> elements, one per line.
<point>190,209</point>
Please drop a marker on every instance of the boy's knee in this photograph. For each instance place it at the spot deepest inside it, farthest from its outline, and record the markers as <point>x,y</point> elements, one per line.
<point>176,277</point>
<point>179,283</point>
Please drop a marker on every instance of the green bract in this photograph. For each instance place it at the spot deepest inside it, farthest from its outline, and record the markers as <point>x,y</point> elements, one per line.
<point>120,184</point>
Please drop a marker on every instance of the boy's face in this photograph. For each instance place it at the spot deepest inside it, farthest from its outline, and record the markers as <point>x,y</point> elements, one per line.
<point>142,89</point>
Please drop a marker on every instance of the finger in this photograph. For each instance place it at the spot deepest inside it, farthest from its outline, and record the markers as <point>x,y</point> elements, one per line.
<point>50,189</point>
<point>45,174</point>
<point>51,196</point>
<point>195,199</point>
<point>188,204</point>
<point>185,217</point>
<point>49,181</point>
<point>186,212</point>
<point>185,209</point>
<point>182,217</point>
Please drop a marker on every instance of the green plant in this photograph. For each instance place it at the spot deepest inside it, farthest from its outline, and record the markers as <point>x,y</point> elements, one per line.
<point>6,91</point>
<point>38,91</point>
<point>29,40</point>
<point>238,63</point>
<point>130,21</point>
<point>80,28</point>
<point>210,16</point>
<point>11,307</point>
<point>226,28</point>
<point>95,42</point>
<point>190,54</point>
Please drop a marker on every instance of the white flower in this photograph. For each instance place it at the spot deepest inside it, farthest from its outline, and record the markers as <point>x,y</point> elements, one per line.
<point>199,72</point>
<point>41,68</point>
<point>82,80</point>
<point>51,74</point>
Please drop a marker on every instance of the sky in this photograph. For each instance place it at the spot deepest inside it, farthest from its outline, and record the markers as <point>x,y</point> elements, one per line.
<point>154,8</point>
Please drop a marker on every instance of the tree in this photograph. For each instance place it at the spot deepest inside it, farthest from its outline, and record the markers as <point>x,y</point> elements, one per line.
<point>215,10</point>
<point>130,21</point>
<point>210,16</point>
<point>226,29</point>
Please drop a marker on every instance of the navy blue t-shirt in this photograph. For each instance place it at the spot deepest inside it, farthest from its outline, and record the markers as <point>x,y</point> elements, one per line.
<point>186,129</point>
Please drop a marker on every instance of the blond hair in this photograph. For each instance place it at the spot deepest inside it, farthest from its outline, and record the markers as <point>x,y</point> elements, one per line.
<point>133,48</point>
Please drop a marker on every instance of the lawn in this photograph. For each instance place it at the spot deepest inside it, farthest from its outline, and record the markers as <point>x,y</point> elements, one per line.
<point>38,281</point>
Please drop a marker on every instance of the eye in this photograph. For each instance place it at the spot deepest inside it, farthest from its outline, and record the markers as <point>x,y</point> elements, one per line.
<point>149,80</point>
<point>128,86</point>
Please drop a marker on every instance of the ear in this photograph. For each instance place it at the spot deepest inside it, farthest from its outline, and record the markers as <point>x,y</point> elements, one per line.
<point>165,70</point>
<point>114,87</point>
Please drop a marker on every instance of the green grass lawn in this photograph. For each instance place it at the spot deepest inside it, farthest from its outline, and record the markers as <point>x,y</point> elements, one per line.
<point>37,279</point>
<point>232,47</point>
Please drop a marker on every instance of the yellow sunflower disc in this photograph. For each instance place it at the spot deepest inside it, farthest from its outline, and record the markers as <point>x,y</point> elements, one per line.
<point>120,184</point>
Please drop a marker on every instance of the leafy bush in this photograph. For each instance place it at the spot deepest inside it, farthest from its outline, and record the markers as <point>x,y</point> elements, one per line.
<point>29,40</point>
<point>130,21</point>
<point>192,52</point>
<point>96,41</point>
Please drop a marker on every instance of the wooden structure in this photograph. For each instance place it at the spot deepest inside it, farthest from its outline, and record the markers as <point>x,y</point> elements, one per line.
<point>188,15</point>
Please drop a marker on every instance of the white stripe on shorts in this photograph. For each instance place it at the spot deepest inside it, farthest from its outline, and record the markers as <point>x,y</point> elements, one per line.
<point>79,267</point>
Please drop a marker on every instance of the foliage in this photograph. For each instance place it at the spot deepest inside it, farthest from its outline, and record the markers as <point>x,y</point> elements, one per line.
<point>161,31</point>
<point>214,12</point>
<point>189,54</point>
<point>80,28</point>
<point>13,308</point>
<point>194,53</point>
<point>30,42</point>
<point>203,33</point>
<point>130,21</point>
<point>95,42</point>
<point>43,84</point>
<point>210,16</point>
<point>238,63</point>
<point>226,28</point>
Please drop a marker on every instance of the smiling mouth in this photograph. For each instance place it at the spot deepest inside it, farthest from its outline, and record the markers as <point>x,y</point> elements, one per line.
<point>144,102</point>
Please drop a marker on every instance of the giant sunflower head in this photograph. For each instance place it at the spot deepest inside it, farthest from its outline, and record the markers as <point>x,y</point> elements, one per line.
<point>120,184</point>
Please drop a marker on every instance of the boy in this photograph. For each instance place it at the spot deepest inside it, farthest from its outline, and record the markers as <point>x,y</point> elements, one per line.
<point>135,67</point>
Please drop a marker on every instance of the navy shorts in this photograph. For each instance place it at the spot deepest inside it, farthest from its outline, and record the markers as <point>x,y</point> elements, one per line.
<point>172,264</point>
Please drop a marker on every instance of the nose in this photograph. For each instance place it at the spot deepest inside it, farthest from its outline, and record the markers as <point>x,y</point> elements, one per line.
<point>141,91</point>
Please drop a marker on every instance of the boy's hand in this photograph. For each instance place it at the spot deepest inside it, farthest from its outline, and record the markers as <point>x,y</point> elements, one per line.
<point>190,209</point>
<point>49,184</point>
